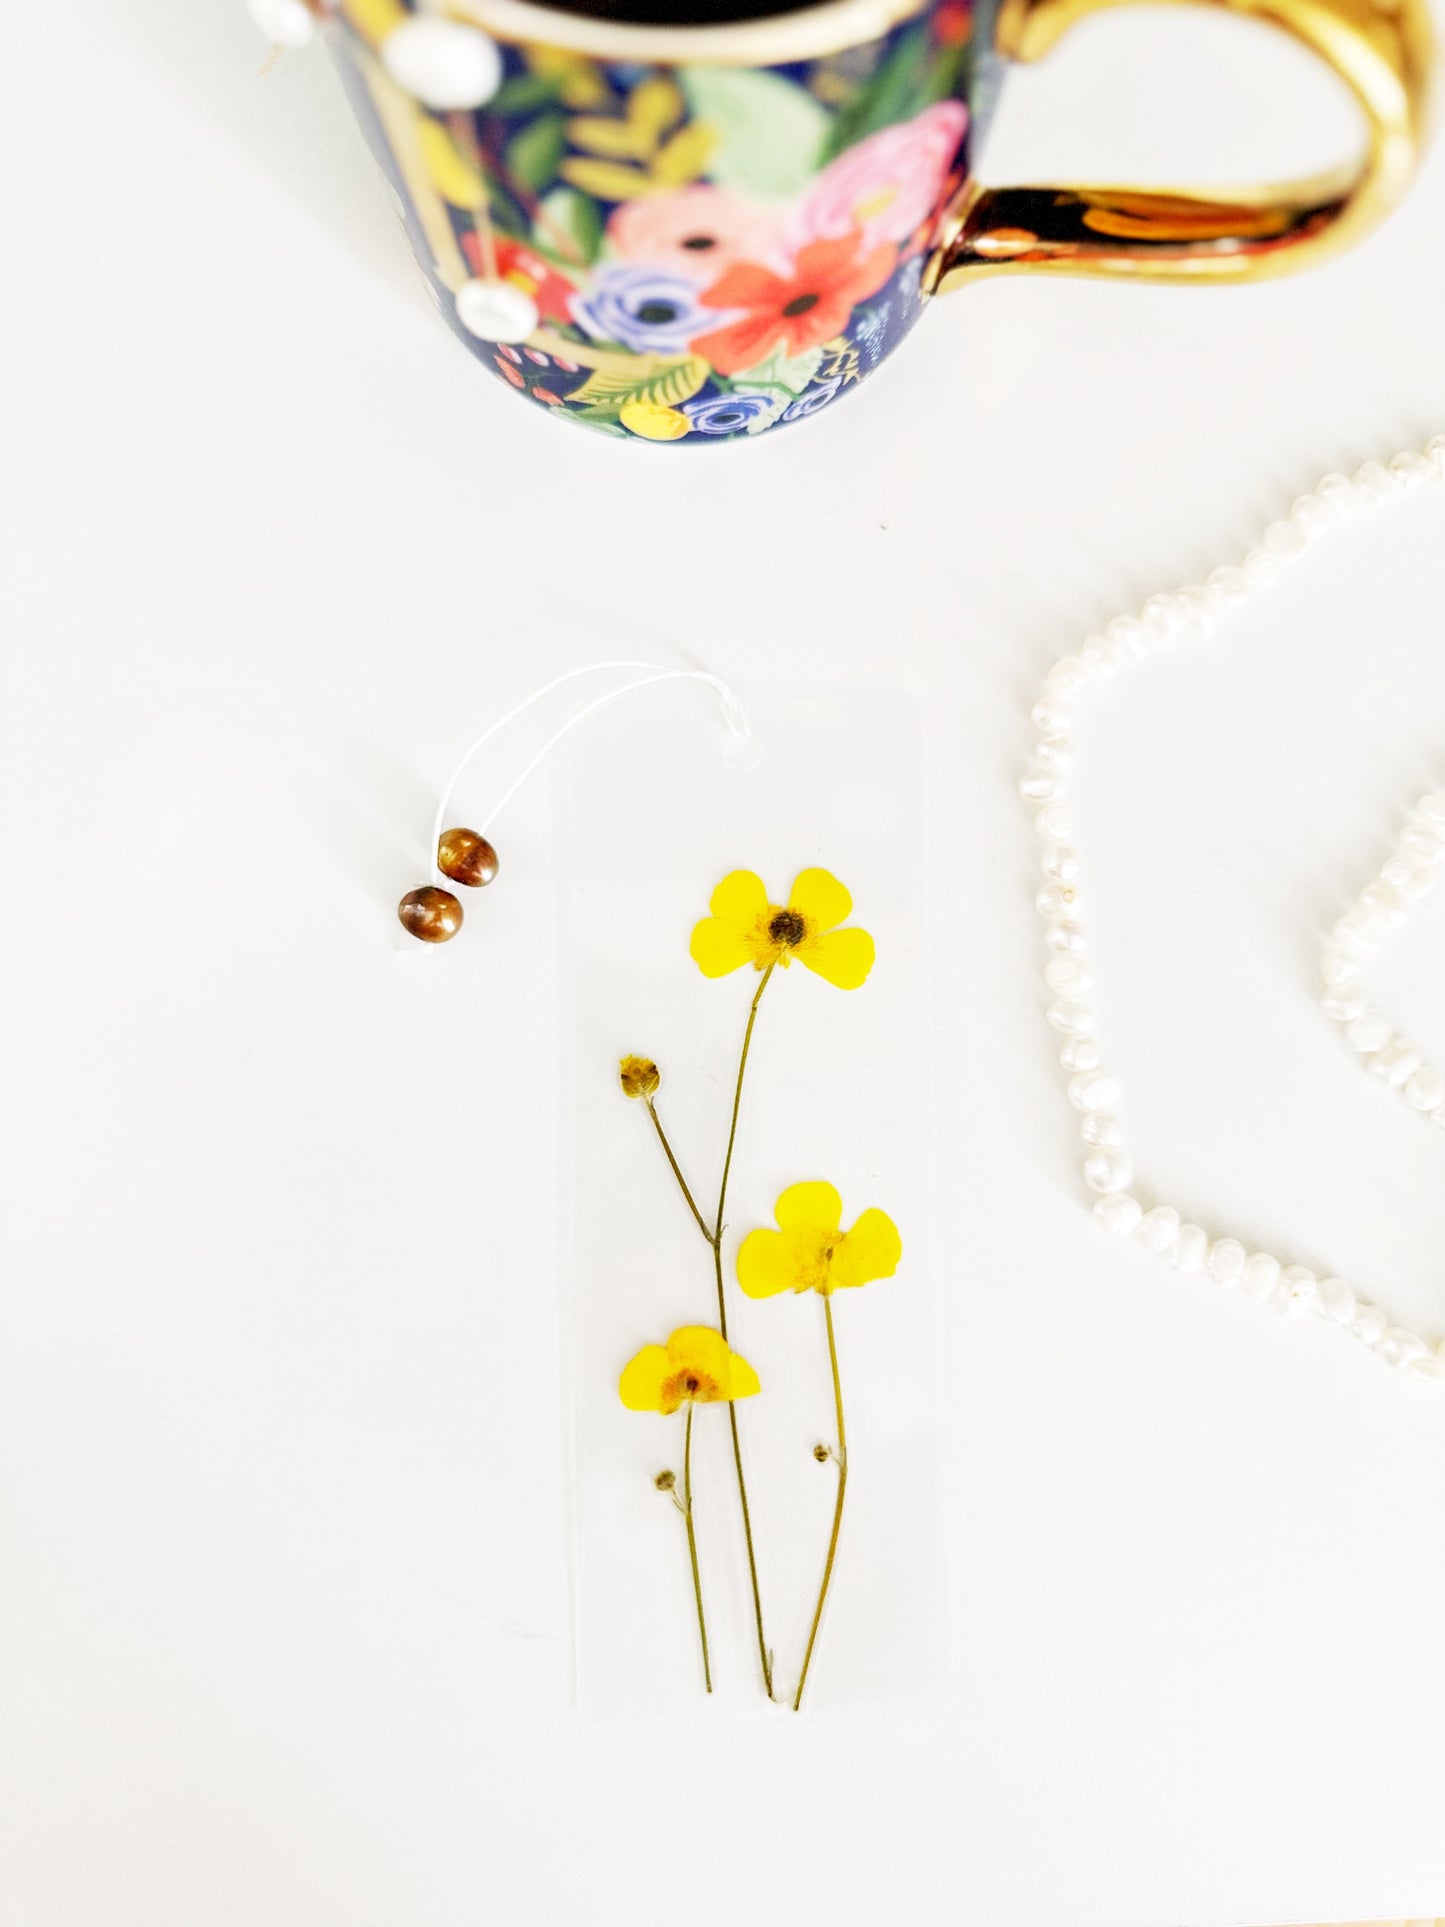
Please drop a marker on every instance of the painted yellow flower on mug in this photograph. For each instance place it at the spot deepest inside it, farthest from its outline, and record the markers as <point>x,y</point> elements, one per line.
<point>746,928</point>
<point>811,1252</point>
<point>695,1367</point>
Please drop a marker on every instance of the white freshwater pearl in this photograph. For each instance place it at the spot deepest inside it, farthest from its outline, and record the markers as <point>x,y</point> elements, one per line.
<point>1108,1171</point>
<point>1384,903</point>
<point>1059,863</point>
<point>1425,1089</point>
<point>1410,879</point>
<point>1401,1347</point>
<point>1356,931</point>
<point>1298,1290</point>
<point>285,23</point>
<point>1189,1249</point>
<point>1097,657</point>
<point>1283,538</point>
<point>496,311</point>
<point>1337,1301</point>
<point>1336,493</point>
<point>1370,1324</point>
<point>1070,1017</point>
<point>1101,1132</point>
<point>1093,1091</point>
<point>1229,583</point>
<point>1120,1212</point>
<point>1050,719</point>
<point>1067,675</point>
<point>1054,752</point>
<point>1066,975</point>
<point>1370,1032</point>
<point>1055,823</point>
<point>1427,1366</point>
<point>1411,467</point>
<point>1311,514</point>
<point>1042,786</point>
<point>1344,1003</point>
<point>1079,1054</point>
<point>1057,901</point>
<point>1423,842</point>
<point>1435,455</point>
<point>444,64</point>
<point>1226,1261</point>
<point>1374,481</point>
<point>1261,1275</point>
<point>1161,617</point>
<point>1159,1228</point>
<point>1432,808</point>
<point>1065,938</point>
<point>1396,1063</point>
<point>1338,967</point>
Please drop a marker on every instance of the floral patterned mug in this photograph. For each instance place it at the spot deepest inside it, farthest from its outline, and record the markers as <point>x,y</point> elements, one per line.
<point>700,232</point>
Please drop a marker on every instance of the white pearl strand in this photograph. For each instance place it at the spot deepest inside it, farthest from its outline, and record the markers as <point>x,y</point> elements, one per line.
<point>1382,907</point>
<point>1192,613</point>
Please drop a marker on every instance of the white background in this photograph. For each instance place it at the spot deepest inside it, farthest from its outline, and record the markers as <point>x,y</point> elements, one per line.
<point>285,1608</point>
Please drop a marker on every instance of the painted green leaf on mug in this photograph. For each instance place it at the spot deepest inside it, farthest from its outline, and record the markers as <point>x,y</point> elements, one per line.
<point>666,380</point>
<point>572,227</point>
<point>896,92</point>
<point>770,134</point>
<point>782,376</point>
<point>532,155</point>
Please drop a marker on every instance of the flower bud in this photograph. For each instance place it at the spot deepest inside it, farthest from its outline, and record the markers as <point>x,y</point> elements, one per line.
<point>822,1454</point>
<point>639,1076</point>
<point>665,1481</point>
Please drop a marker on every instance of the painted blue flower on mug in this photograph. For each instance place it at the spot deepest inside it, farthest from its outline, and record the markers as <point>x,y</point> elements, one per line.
<point>643,310</point>
<point>816,398</point>
<point>729,414</point>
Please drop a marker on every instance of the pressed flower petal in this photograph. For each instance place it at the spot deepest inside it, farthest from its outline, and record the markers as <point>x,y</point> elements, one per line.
<point>821,898</point>
<point>718,947</point>
<point>700,1349</point>
<point>841,957</point>
<point>814,1206</point>
<point>767,1264</point>
<point>642,1381</point>
<point>742,1379</point>
<point>740,898</point>
<point>870,1250</point>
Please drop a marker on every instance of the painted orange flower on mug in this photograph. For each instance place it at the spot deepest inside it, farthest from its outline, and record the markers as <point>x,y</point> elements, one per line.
<point>799,309</point>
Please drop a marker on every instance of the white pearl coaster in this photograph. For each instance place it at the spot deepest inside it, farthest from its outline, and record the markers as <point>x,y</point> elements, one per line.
<point>1192,613</point>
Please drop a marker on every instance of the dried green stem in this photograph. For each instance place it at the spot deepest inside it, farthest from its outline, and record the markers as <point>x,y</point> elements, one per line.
<point>692,1544</point>
<point>842,1464</point>
<point>677,1172</point>
<point>722,1318</point>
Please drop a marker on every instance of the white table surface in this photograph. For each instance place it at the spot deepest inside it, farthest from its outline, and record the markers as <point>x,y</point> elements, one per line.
<point>285,1627</point>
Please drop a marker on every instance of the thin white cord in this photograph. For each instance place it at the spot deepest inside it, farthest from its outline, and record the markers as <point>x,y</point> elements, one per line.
<point>733,713</point>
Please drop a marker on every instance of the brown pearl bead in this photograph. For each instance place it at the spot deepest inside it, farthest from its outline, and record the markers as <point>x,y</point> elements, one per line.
<point>431,914</point>
<point>466,858</point>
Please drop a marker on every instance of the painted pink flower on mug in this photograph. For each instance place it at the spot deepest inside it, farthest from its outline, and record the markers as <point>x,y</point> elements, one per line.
<point>888,185</point>
<point>698,231</point>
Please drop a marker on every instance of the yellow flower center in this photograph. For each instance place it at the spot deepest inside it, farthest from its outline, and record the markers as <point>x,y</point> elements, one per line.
<point>787,927</point>
<point>697,1386</point>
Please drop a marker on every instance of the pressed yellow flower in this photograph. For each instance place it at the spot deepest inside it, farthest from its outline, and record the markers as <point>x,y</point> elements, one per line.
<point>639,1077</point>
<point>694,1367</point>
<point>810,1252</point>
<point>745,927</point>
<point>654,422</point>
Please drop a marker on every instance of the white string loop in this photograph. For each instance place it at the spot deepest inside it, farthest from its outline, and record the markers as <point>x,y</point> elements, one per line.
<point>733,715</point>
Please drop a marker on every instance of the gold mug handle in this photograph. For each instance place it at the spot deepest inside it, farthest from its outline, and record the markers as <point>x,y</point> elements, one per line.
<point>1380,48</point>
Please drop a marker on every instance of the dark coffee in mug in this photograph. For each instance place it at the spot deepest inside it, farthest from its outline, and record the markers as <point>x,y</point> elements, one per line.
<point>699,220</point>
